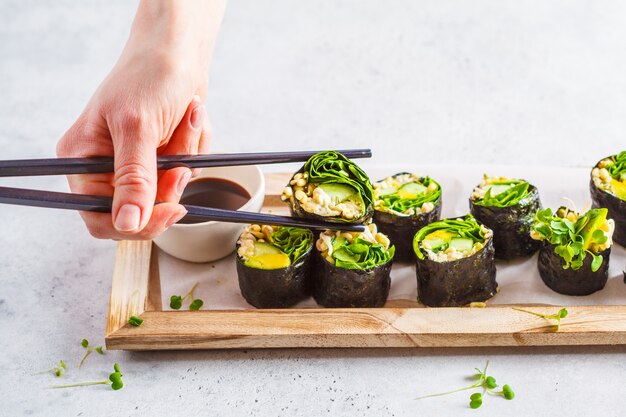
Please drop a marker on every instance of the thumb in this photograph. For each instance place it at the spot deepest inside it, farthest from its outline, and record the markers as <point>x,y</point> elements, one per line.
<point>135,179</point>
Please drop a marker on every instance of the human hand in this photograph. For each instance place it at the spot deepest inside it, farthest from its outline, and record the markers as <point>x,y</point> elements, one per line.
<point>148,105</point>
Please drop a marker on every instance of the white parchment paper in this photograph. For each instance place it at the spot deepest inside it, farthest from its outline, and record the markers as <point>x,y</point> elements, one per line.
<point>518,280</point>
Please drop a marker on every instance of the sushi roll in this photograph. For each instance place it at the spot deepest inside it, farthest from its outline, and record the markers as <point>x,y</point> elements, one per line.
<point>455,262</point>
<point>507,206</point>
<point>352,269</point>
<point>404,203</point>
<point>608,189</point>
<point>331,188</point>
<point>574,255</point>
<point>274,265</point>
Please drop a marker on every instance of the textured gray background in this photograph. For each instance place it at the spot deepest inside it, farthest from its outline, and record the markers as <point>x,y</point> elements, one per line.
<point>447,82</point>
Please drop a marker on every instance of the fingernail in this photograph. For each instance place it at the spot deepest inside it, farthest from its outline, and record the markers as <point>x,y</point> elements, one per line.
<point>197,118</point>
<point>128,218</point>
<point>175,219</point>
<point>182,182</point>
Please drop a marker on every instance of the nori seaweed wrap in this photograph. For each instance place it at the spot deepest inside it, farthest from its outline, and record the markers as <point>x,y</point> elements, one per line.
<point>507,206</point>
<point>352,269</point>
<point>274,265</point>
<point>455,263</point>
<point>608,189</point>
<point>574,255</point>
<point>330,188</point>
<point>403,204</point>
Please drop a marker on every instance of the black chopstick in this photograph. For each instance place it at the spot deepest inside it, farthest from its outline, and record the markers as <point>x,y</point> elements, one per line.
<point>68,166</point>
<point>52,199</point>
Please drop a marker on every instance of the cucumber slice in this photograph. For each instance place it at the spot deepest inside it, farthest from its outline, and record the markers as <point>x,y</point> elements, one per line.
<point>267,256</point>
<point>498,189</point>
<point>461,243</point>
<point>387,191</point>
<point>413,188</point>
<point>339,192</point>
<point>434,243</point>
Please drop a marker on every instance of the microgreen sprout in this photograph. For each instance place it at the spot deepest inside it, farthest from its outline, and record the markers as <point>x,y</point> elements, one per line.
<point>135,321</point>
<point>88,349</point>
<point>115,380</point>
<point>484,382</point>
<point>561,314</point>
<point>57,370</point>
<point>176,301</point>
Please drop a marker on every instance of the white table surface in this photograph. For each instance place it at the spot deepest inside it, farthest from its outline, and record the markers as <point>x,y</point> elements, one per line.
<point>428,82</point>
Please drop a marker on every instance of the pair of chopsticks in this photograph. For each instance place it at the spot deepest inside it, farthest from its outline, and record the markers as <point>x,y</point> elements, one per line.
<point>69,166</point>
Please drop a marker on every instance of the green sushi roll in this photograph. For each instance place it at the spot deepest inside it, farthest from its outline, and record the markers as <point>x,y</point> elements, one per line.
<point>455,262</point>
<point>608,189</point>
<point>403,204</point>
<point>574,256</point>
<point>507,206</point>
<point>331,188</point>
<point>274,265</point>
<point>352,269</point>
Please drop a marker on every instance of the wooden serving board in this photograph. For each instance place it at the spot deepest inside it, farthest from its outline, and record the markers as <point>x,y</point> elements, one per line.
<point>136,290</point>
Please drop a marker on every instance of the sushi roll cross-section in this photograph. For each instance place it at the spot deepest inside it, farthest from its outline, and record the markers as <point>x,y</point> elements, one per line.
<point>608,189</point>
<point>574,256</point>
<point>455,262</point>
<point>330,187</point>
<point>507,206</point>
<point>274,265</point>
<point>352,269</point>
<point>404,203</point>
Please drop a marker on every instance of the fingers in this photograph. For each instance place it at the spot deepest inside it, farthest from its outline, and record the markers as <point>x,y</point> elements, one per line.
<point>188,136</point>
<point>185,139</point>
<point>135,179</point>
<point>172,183</point>
<point>205,138</point>
<point>135,185</point>
<point>163,216</point>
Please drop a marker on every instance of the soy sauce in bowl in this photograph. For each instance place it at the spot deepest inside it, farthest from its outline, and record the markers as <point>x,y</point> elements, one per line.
<point>215,193</point>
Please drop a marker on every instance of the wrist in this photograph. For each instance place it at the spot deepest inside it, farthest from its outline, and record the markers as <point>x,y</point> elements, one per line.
<point>181,30</point>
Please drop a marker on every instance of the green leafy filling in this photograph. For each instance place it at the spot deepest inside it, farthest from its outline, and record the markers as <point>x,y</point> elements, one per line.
<point>504,193</point>
<point>573,240</point>
<point>465,228</point>
<point>333,167</point>
<point>360,254</point>
<point>400,201</point>
<point>617,169</point>
<point>292,241</point>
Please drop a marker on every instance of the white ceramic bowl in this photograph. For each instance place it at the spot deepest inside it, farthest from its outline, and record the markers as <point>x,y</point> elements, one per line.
<point>210,241</point>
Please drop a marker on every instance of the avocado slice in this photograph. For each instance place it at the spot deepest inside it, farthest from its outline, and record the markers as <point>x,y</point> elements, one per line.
<point>597,217</point>
<point>438,238</point>
<point>267,256</point>
<point>461,243</point>
<point>619,188</point>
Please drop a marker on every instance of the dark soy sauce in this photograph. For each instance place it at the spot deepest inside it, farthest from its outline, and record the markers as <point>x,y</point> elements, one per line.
<point>213,192</point>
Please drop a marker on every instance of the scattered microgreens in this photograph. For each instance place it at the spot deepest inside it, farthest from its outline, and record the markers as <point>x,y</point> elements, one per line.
<point>135,321</point>
<point>176,301</point>
<point>558,316</point>
<point>88,349</point>
<point>115,380</point>
<point>57,370</point>
<point>484,381</point>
